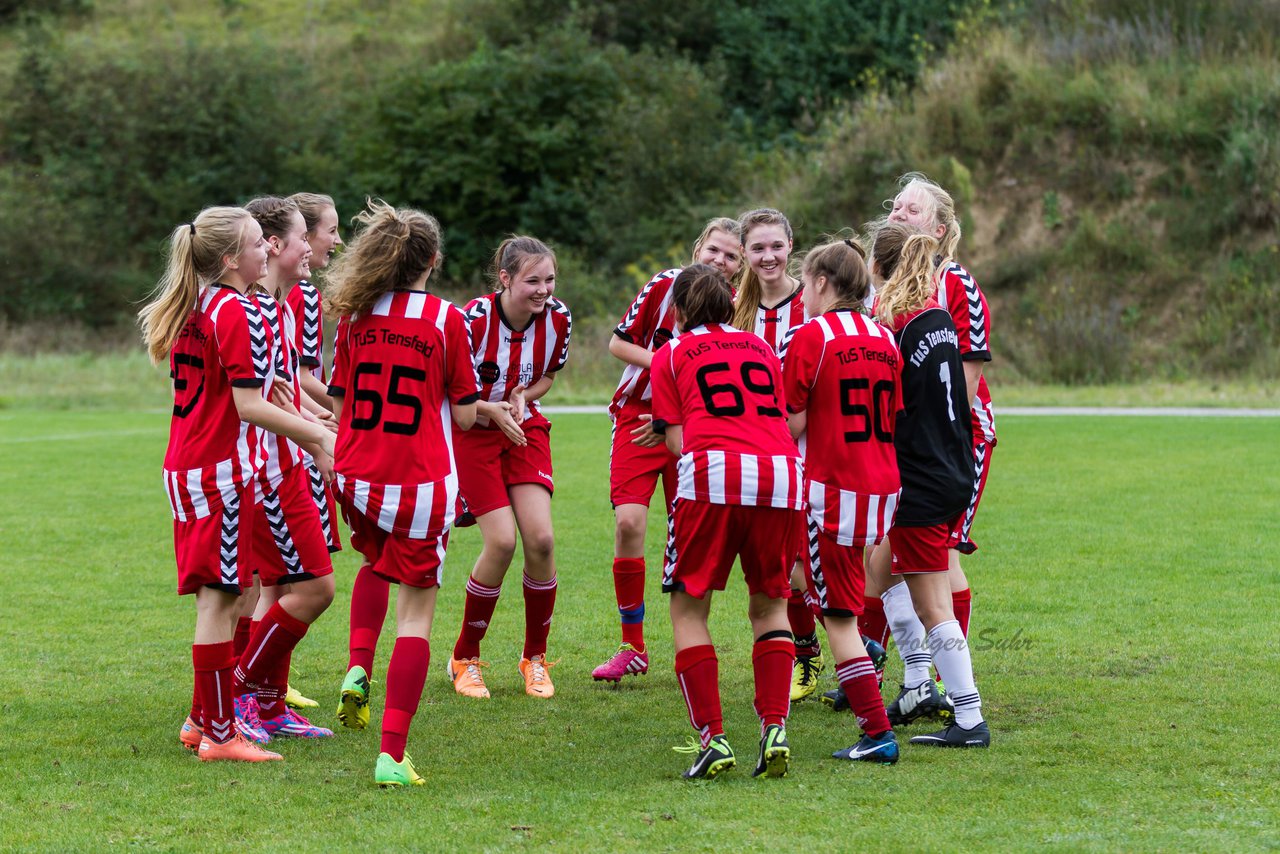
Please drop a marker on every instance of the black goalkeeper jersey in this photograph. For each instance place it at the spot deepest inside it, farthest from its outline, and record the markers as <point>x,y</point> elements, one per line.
<point>934,437</point>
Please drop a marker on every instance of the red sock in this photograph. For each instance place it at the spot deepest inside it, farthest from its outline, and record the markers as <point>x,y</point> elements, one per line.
<point>539,603</point>
<point>960,603</point>
<point>369,596</point>
<point>698,673</point>
<point>272,690</point>
<point>873,623</point>
<point>803,627</point>
<point>476,614</point>
<point>244,628</point>
<point>213,664</point>
<point>628,588</point>
<point>771,660</point>
<point>857,678</point>
<point>196,712</point>
<point>275,637</point>
<point>406,674</point>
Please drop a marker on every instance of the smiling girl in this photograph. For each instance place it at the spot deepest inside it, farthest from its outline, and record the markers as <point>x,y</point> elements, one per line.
<point>217,345</point>
<point>770,304</point>
<point>638,459</point>
<point>519,340</point>
<point>290,551</point>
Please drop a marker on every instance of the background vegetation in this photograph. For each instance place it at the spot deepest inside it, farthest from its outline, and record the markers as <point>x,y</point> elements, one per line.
<point>1115,160</point>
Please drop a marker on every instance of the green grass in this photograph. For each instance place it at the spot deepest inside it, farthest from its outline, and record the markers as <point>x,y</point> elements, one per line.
<point>124,379</point>
<point>1123,631</point>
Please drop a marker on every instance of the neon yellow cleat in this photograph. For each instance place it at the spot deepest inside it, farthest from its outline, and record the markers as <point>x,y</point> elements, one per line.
<point>293,699</point>
<point>390,774</point>
<point>353,708</point>
<point>804,676</point>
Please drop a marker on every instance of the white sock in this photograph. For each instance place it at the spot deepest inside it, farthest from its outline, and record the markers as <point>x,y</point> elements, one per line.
<point>951,656</point>
<point>908,634</point>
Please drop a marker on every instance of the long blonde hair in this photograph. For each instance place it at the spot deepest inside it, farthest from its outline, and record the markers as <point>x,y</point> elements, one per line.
<point>904,258</point>
<point>198,251</point>
<point>393,249</point>
<point>744,312</point>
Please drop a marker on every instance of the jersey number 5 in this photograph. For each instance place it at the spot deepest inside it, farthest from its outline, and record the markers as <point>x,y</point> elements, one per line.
<point>180,382</point>
<point>395,397</point>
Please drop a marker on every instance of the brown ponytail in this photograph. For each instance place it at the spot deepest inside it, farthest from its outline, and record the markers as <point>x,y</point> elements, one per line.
<point>702,295</point>
<point>393,249</point>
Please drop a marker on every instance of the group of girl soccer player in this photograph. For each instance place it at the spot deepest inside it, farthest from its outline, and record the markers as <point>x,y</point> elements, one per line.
<point>831,433</point>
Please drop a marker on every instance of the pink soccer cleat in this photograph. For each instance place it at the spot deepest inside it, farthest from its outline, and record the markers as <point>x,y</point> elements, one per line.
<point>627,661</point>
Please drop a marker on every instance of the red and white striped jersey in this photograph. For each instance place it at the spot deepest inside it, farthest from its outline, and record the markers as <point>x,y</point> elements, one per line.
<point>724,387</point>
<point>843,370</point>
<point>212,454</point>
<point>398,370</point>
<point>505,357</point>
<point>282,453</point>
<point>308,337</point>
<point>960,295</point>
<point>773,324</point>
<point>650,322</point>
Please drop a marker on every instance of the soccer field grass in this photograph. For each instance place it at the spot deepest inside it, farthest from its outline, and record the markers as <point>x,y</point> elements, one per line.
<point>1124,640</point>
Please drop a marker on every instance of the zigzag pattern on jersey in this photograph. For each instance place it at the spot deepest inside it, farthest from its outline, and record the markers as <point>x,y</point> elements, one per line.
<point>229,549</point>
<point>977,319</point>
<point>280,533</point>
<point>560,308</point>
<point>980,463</point>
<point>271,318</point>
<point>815,566</point>
<point>311,339</point>
<point>258,346</point>
<point>669,555</point>
<point>638,304</point>
<point>786,342</point>
<point>321,499</point>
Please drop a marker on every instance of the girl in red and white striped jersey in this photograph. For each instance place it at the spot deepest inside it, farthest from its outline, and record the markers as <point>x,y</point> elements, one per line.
<point>291,557</point>
<point>519,340</point>
<point>402,379</point>
<point>771,304</point>
<point>638,459</point>
<point>841,376</point>
<point>924,205</point>
<point>306,328</point>
<point>717,399</point>
<point>218,348</point>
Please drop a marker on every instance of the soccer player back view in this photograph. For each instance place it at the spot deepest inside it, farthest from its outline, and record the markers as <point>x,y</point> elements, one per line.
<point>717,399</point>
<point>402,379</point>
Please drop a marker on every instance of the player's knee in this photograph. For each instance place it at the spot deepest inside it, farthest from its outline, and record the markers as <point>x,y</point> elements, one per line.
<point>631,527</point>
<point>501,548</point>
<point>539,546</point>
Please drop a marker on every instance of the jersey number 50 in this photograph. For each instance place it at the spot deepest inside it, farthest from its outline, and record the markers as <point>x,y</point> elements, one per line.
<point>394,396</point>
<point>871,413</point>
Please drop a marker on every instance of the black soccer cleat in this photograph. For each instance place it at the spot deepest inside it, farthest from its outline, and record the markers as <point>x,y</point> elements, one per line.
<point>955,735</point>
<point>882,749</point>
<point>775,753</point>
<point>711,761</point>
<point>924,700</point>
<point>836,700</point>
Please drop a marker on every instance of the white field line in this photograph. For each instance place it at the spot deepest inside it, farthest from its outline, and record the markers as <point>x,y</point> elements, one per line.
<point>1166,412</point>
<point>1018,411</point>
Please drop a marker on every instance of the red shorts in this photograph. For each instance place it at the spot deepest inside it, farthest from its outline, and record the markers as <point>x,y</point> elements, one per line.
<point>489,462</point>
<point>705,538</point>
<point>634,471</point>
<point>399,559</point>
<point>215,551</point>
<point>288,541</point>
<point>326,504</point>
<point>923,549</point>
<point>836,576</point>
<point>982,464</point>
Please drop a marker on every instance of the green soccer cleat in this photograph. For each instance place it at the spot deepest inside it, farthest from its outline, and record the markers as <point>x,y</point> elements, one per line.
<point>353,708</point>
<point>293,699</point>
<point>390,774</point>
<point>711,761</point>
<point>775,753</point>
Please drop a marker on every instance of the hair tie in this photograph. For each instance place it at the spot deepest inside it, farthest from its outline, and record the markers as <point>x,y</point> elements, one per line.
<point>192,226</point>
